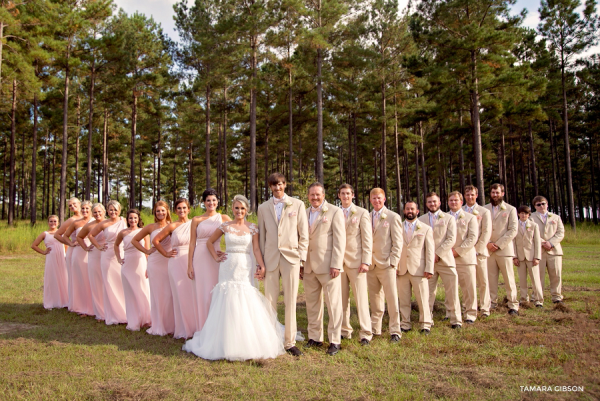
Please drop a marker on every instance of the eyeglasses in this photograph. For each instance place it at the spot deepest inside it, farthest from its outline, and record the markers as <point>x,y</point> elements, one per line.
<point>540,204</point>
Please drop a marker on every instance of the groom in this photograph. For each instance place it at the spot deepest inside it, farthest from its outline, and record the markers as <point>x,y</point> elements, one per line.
<point>283,236</point>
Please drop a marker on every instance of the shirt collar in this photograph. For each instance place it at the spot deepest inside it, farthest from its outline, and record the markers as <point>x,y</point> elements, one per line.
<point>436,214</point>
<point>319,208</point>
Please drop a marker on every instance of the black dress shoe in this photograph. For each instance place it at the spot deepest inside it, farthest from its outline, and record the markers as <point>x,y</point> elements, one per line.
<point>425,332</point>
<point>557,302</point>
<point>294,351</point>
<point>539,306</point>
<point>445,319</point>
<point>364,342</point>
<point>333,349</point>
<point>313,344</point>
<point>513,312</point>
<point>395,338</point>
<point>456,326</point>
<point>405,330</point>
<point>469,321</point>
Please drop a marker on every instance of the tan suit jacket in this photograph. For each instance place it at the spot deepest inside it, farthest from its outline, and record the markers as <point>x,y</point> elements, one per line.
<point>288,238</point>
<point>444,236</point>
<point>418,255</point>
<point>484,218</point>
<point>359,238</point>
<point>387,239</point>
<point>553,231</point>
<point>504,229</point>
<point>327,241</point>
<point>528,244</point>
<point>467,232</point>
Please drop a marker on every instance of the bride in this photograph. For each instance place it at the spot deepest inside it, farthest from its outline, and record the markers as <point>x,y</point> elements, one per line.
<point>241,323</point>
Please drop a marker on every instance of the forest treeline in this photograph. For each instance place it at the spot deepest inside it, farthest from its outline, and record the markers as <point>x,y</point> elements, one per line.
<point>103,105</point>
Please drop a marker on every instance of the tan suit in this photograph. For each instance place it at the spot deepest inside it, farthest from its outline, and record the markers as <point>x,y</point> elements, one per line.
<point>444,236</point>
<point>528,245</point>
<point>387,249</point>
<point>484,218</point>
<point>418,257</point>
<point>284,245</point>
<point>467,233</point>
<point>552,231</point>
<point>504,229</point>
<point>326,248</point>
<point>359,245</point>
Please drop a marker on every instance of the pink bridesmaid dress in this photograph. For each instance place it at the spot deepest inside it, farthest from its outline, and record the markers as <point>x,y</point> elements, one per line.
<point>82,292</point>
<point>135,285</point>
<point>56,293</point>
<point>113,296</point>
<point>206,270</point>
<point>95,275</point>
<point>68,256</point>
<point>182,287</point>
<point>161,298</point>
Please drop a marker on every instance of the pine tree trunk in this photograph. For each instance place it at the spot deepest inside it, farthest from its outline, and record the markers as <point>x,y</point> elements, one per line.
<point>12,183</point>
<point>191,189</point>
<point>53,174</point>
<point>105,183</point>
<point>513,173</point>
<point>4,178</point>
<point>33,199</point>
<point>140,194</point>
<point>88,175</point>
<point>567,149</point>
<point>158,159</point>
<point>174,180</point>
<point>207,139</point>
<point>534,174</point>
<point>423,169</point>
<point>397,158</point>
<point>266,161</point>
<point>355,145</point>
<point>383,160</point>
<point>290,185</point>
<point>462,165</point>
<point>477,151</point>
<point>45,180</point>
<point>418,175</point>
<point>593,182</point>
<point>319,168</point>
<point>554,179</point>
<point>78,134</point>
<point>132,150</point>
<point>65,144</point>
<point>226,196</point>
<point>522,164</point>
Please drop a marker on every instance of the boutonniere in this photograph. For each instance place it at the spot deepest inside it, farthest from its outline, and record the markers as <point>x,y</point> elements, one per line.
<point>352,211</point>
<point>549,214</point>
<point>324,210</point>
<point>502,206</point>
<point>460,215</point>
<point>418,227</point>
<point>475,212</point>
<point>383,216</point>
<point>441,215</point>
<point>288,203</point>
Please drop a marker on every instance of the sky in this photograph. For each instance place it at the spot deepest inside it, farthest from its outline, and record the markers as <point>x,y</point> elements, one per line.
<point>162,12</point>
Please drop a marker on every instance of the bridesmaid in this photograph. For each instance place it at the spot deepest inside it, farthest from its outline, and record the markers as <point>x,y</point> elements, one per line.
<point>75,208</point>
<point>133,273</point>
<point>182,287</point>
<point>82,292</point>
<point>94,256</point>
<point>55,271</point>
<point>112,294</point>
<point>200,262</point>
<point>161,298</point>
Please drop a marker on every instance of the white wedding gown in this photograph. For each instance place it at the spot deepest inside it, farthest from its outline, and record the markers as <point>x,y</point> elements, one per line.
<point>241,323</point>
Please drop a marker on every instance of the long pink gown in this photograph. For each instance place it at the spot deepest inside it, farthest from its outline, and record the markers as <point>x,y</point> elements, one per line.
<point>182,287</point>
<point>206,270</point>
<point>56,293</point>
<point>82,292</point>
<point>113,296</point>
<point>161,297</point>
<point>68,256</point>
<point>95,275</point>
<point>135,285</point>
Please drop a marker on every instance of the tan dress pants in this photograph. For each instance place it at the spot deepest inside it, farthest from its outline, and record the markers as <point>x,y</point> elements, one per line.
<point>382,288</point>
<point>450,280</point>
<point>467,278</point>
<point>290,279</point>
<point>552,263</point>
<point>483,285</point>
<point>315,286</point>
<point>526,266</point>
<point>420,286</point>
<point>358,282</point>
<point>504,265</point>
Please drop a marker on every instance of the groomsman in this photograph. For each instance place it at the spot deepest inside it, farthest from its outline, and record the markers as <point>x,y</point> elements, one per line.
<point>444,236</point>
<point>504,230</point>
<point>357,259</point>
<point>283,243</point>
<point>416,267</point>
<point>484,219</point>
<point>387,249</point>
<point>467,231</point>
<point>528,247</point>
<point>321,272</point>
<point>552,232</point>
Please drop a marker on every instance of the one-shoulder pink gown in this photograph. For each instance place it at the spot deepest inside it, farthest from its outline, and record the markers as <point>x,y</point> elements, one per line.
<point>206,270</point>
<point>184,303</point>
<point>82,292</point>
<point>68,256</point>
<point>56,293</point>
<point>161,297</point>
<point>135,285</point>
<point>95,275</point>
<point>113,296</point>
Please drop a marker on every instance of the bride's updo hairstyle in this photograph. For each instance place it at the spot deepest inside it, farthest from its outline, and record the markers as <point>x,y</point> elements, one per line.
<point>208,193</point>
<point>242,199</point>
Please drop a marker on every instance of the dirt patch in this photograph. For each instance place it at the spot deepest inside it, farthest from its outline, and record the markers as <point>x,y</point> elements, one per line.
<point>6,327</point>
<point>561,307</point>
<point>119,390</point>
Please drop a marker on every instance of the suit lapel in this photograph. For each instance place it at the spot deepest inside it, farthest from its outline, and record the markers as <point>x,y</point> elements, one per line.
<point>319,218</point>
<point>272,209</point>
<point>378,222</point>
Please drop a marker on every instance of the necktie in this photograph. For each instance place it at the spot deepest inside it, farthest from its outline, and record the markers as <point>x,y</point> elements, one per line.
<point>346,213</point>
<point>433,219</point>
<point>375,217</point>
<point>522,228</point>
<point>409,232</point>
<point>544,217</point>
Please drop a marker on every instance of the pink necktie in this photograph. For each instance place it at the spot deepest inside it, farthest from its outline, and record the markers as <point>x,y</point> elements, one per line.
<point>409,232</point>
<point>346,213</point>
<point>544,218</point>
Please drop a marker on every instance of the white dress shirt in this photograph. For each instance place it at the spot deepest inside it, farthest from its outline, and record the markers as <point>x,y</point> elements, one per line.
<point>314,214</point>
<point>279,206</point>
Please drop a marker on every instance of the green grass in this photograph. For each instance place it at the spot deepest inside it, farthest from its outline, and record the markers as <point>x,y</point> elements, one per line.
<point>58,355</point>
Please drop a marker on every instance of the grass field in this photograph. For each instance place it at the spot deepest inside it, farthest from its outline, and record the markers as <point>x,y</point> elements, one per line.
<point>58,355</point>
